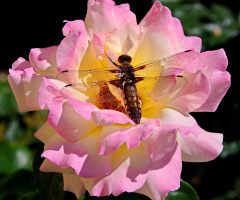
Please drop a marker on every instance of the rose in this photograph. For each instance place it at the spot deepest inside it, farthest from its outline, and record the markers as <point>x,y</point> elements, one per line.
<point>101,150</point>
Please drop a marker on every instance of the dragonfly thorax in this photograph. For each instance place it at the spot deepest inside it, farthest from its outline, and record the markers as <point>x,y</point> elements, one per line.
<point>124,59</point>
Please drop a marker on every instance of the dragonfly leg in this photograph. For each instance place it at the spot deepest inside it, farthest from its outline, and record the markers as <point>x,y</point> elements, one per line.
<point>113,62</point>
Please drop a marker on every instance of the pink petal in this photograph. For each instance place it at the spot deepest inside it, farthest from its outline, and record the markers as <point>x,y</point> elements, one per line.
<point>107,41</point>
<point>104,16</point>
<point>161,37</point>
<point>207,146</point>
<point>21,64</point>
<point>45,132</point>
<point>124,6</point>
<point>113,137</point>
<point>63,116</point>
<point>43,60</point>
<point>25,86</point>
<point>71,51</point>
<point>163,178</point>
<point>97,46</point>
<point>174,120</point>
<point>31,82</point>
<point>72,27</point>
<point>192,95</point>
<point>15,80</point>
<point>73,184</point>
<point>84,109</point>
<point>187,42</point>
<point>197,145</point>
<point>128,174</point>
<point>48,166</point>
<point>45,96</point>
<point>216,64</point>
<point>108,117</point>
<point>69,124</point>
<point>82,156</point>
<point>160,143</point>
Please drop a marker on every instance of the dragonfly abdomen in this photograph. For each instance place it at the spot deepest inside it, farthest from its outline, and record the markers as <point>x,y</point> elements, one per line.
<point>132,102</point>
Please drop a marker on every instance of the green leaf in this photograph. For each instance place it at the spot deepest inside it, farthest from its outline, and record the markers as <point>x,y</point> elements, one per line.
<point>185,192</point>
<point>230,149</point>
<point>14,157</point>
<point>14,131</point>
<point>50,185</point>
<point>7,99</point>
<point>18,186</point>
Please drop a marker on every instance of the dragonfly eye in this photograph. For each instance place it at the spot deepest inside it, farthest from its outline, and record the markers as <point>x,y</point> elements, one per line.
<point>124,59</point>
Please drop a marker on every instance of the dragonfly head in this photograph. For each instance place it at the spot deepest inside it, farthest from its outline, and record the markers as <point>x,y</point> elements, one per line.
<point>124,59</point>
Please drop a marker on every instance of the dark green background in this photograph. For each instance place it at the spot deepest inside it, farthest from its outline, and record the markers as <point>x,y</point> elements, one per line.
<point>39,24</point>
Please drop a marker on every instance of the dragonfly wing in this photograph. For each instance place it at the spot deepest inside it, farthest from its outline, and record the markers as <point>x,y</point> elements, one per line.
<point>101,93</point>
<point>155,84</point>
<point>167,86</point>
<point>156,87</point>
<point>93,75</point>
<point>171,65</point>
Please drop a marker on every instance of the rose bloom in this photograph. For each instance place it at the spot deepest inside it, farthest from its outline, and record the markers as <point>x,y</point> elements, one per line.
<point>102,150</point>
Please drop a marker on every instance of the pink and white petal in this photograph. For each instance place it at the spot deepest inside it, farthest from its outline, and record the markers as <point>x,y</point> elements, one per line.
<point>187,42</point>
<point>207,146</point>
<point>110,40</point>
<point>82,156</point>
<point>132,41</point>
<point>196,144</point>
<point>104,16</point>
<point>26,83</point>
<point>68,123</point>
<point>115,136</point>
<point>21,64</point>
<point>215,63</point>
<point>212,61</point>
<point>183,122</point>
<point>31,82</point>
<point>108,117</point>
<point>43,60</point>
<point>97,46</point>
<point>48,166</point>
<point>124,6</point>
<point>73,184</point>
<point>97,15</point>
<point>15,81</point>
<point>84,109</point>
<point>45,132</point>
<point>160,143</point>
<point>63,116</point>
<point>220,83</point>
<point>53,91</point>
<point>71,51</point>
<point>48,91</point>
<point>128,174</point>
<point>160,37</point>
<point>72,27</point>
<point>191,96</point>
<point>162,179</point>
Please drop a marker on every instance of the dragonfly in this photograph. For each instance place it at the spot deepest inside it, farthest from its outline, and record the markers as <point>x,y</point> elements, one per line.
<point>123,86</point>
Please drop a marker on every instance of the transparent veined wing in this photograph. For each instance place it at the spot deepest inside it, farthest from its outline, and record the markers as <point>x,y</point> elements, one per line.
<point>93,75</point>
<point>156,87</point>
<point>100,93</point>
<point>166,66</point>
